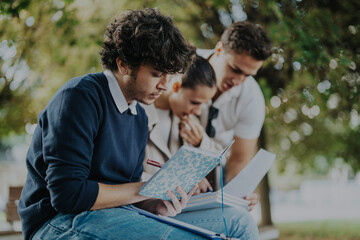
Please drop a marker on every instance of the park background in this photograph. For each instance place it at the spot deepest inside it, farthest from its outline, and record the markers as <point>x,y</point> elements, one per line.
<point>311,86</point>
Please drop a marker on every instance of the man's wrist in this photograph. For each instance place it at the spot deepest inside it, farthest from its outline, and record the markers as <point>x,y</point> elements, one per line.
<point>148,205</point>
<point>152,205</point>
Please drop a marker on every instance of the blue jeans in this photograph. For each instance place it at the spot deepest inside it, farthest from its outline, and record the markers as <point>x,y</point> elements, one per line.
<point>119,223</point>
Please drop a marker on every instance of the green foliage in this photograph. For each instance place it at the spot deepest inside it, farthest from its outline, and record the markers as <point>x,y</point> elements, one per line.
<point>329,229</point>
<point>42,45</point>
<point>29,37</point>
<point>314,66</point>
<point>313,74</point>
<point>13,8</point>
<point>316,54</point>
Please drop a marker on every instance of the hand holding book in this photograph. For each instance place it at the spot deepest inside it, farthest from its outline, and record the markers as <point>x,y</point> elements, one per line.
<point>187,167</point>
<point>175,206</point>
<point>238,188</point>
<point>253,200</point>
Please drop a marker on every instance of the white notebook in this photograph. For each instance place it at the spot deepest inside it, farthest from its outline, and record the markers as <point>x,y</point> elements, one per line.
<point>173,222</point>
<point>240,186</point>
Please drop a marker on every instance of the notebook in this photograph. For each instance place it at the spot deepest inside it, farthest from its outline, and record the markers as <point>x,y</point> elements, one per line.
<point>173,222</point>
<point>212,200</point>
<point>240,186</point>
<point>187,167</point>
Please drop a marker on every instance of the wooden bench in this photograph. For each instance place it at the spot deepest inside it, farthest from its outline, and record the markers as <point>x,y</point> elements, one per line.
<point>11,209</point>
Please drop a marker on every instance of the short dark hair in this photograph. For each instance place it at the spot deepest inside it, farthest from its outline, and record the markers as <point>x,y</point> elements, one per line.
<point>200,72</point>
<point>249,38</point>
<point>145,37</point>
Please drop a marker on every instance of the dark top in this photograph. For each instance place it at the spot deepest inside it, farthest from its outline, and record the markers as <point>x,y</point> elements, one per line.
<point>81,139</point>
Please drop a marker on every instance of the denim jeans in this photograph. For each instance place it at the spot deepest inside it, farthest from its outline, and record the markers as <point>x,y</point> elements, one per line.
<point>119,223</point>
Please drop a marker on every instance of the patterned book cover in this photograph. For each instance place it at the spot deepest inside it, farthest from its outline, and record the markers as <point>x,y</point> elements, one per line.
<point>186,168</point>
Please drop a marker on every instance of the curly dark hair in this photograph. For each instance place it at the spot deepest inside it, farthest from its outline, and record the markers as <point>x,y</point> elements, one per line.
<point>145,37</point>
<point>249,38</point>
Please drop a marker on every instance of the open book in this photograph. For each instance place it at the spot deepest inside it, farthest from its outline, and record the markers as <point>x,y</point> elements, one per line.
<point>187,167</point>
<point>240,186</point>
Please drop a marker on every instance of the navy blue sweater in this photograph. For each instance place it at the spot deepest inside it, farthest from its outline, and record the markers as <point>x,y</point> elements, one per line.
<point>81,139</point>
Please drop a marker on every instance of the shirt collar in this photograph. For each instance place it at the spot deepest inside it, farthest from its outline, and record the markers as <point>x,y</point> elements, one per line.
<point>205,53</point>
<point>227,96</point>
<point>117,94</point>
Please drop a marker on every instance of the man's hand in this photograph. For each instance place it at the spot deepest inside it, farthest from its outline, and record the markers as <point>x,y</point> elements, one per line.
<point>253,198</point>
<point>167,208</point>
<point>191,131</point>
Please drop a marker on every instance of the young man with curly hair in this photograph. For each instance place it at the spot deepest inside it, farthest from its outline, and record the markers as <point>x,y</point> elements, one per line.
<point>87,150</point>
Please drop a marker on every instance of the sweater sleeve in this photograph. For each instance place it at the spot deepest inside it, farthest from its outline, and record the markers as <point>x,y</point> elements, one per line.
<point>70,123</point>
<point>140,168</point>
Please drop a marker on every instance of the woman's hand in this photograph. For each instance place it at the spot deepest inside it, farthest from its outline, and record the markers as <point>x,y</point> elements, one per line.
<point>191,131</point>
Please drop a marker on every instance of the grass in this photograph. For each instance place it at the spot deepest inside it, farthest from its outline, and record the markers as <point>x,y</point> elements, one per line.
<point>320,230</point>
<point>2,217</point>
<point>311,230</point>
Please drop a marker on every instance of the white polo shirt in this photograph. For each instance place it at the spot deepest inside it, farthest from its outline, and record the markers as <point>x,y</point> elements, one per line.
<point>241,111</point>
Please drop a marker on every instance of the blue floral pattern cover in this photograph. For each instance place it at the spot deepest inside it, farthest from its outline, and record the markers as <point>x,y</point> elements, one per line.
<point>187,167</point>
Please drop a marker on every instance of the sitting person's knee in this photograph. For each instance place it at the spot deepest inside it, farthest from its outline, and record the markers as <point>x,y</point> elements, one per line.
<point>245,225</point>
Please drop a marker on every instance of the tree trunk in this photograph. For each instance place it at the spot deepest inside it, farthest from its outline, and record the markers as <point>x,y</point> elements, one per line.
<point>264,190</point>
<point>265,202</point>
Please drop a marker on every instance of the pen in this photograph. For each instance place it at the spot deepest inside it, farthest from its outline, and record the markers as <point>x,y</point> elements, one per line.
<point>227,148</point>
<point>154,163</point>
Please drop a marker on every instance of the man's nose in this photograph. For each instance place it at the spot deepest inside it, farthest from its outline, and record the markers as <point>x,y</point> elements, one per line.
<point>163,82</point>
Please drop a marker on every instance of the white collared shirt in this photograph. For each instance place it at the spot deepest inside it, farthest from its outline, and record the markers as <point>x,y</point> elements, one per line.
<point>117,94</point>
<point>241,110</point>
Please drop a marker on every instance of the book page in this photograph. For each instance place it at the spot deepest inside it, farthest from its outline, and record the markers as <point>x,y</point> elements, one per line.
<point>246,181</point>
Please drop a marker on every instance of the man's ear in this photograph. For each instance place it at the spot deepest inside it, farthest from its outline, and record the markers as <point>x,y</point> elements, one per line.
<point>176,86</point>
<point>122,68</point>
<point>218,48</point>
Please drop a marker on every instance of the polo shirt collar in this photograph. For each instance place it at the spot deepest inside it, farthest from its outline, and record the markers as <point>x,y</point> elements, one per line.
<point>227,96</point>
<point>117,94</point>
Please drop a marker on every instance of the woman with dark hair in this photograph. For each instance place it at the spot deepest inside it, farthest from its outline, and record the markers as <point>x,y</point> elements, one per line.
<point>188,91</point>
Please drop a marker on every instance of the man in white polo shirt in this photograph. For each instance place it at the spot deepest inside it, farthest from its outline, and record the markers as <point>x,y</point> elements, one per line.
<point>237,110</point>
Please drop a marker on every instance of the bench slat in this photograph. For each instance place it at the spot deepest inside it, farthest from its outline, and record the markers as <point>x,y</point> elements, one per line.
<point>14,193</point>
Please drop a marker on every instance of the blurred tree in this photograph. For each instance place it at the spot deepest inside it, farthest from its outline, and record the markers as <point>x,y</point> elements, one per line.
<point>311,83</point>
<point>42,45</point>
<point>33,37</point>
<point>314,80</point>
